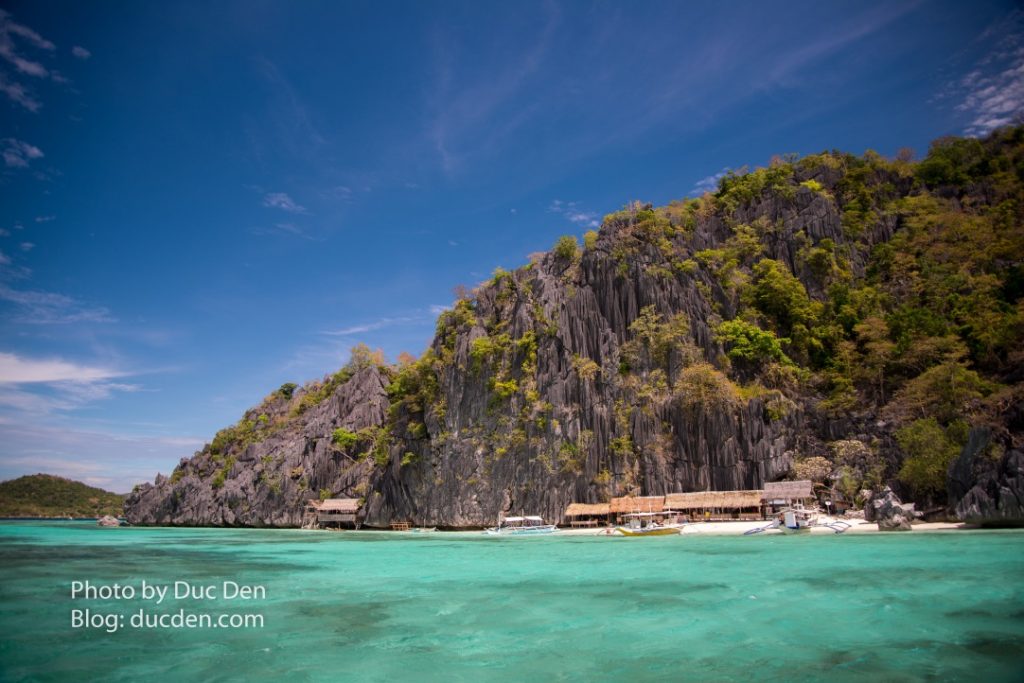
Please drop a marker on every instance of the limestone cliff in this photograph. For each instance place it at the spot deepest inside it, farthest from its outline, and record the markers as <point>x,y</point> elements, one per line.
<point>689,347</point>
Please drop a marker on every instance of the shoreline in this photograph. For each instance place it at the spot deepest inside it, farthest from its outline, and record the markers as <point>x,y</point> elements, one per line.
<point>714,528</point>
<point>737,528</point>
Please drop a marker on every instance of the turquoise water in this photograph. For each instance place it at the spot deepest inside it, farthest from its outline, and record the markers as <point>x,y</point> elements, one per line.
<point>458,607</point>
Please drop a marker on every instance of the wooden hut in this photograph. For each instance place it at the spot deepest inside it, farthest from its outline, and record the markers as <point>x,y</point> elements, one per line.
<point>634,504</point>
<point>335,512</point>
<point>587,514</point>
<point>717,504</point>
<point>778,494</point>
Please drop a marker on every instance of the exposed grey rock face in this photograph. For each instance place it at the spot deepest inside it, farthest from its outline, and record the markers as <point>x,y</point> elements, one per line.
<point>545,393</point>
<point>889,512</point>
<point>268,483</point>
<point>488,455</point>
<point>107,520</point>
<point>965,470</point>
<point>869,509</point>
<point>984,489</point>
<point>575,430</point>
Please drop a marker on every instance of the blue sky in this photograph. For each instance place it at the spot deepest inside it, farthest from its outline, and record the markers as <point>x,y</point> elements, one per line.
<point>201,201</point>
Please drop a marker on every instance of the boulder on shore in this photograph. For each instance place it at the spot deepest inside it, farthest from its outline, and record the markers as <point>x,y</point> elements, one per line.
<point>985,486</point>
<point>107,520</point>
<point>890,514</point>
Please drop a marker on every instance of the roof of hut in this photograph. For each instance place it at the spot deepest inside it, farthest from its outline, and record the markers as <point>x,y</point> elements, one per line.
<point>580,509</point>
<point>713,499</point>
<point>791,490</point>
<point>638,504</point>
<point>339,505</point>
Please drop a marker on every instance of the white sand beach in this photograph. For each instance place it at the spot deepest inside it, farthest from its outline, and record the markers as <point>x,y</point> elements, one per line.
<point>857,526</point>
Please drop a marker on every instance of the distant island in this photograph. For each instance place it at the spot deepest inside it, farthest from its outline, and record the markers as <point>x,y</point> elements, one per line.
<point>44,495</point>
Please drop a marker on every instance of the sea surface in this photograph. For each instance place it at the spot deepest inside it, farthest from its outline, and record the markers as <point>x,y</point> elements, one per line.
<point>465,607</point>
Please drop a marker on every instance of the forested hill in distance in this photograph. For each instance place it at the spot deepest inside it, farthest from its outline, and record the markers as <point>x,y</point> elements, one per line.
<point>855,320</point>
<point>44,495</point>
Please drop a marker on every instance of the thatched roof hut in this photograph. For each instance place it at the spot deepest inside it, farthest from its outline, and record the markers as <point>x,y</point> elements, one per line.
<point>788,490</point>
<point>333,511</point>
<point>638,504</point>
<point>587,509</point>
<point>722,500</point>
<point>339,505</point>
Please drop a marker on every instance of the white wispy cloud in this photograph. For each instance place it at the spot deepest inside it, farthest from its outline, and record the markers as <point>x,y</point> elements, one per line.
<point>342,192</point>
<point>68,467</point>
<point>19,93</point>
<point>8,26</point>
<point>23,403</point>
<point>112,460</point>
<point>438,309</point>
<point>18,153</point>
<point>377,324</point>
<point>331,347</point>
<point>285,230</point>
<point>312,358</point>
<point>80,52</point>
<point>42,389</point>
<point>465,107</point>
<point>708,184</point>
<point>5,260</point>
<point>9,30</point>
<point>574,214</point>
<point>873,19</point>
<point>292,229</point>
<point>281,200</point>
<point>45,219</point>
<point>43,399</point>
<point>16,369</point>
<point>13,37</point>
<point>50,308</point>
<point>992,93</point>
<point>27,246</point>
<point>88,392</point>
<point>292,120</point>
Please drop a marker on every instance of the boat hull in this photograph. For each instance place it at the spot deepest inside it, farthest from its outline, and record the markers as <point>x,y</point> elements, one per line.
<point>660,531</point>
<point>531,531</point>
<point>798,521</point>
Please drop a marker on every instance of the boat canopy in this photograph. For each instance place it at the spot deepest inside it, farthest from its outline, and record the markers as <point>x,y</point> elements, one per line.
<point>520,519</point>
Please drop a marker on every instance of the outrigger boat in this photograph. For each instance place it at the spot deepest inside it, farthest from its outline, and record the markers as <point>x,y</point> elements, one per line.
<point>797,520</point>
<point>521,526</point>
<point>635,525</point>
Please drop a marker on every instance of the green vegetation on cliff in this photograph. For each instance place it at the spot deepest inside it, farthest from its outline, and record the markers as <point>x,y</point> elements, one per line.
<point>864,312</point>
<point>44,495</point>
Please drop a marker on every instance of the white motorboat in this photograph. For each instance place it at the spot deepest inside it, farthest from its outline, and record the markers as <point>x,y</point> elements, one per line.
<point>521,526</point>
